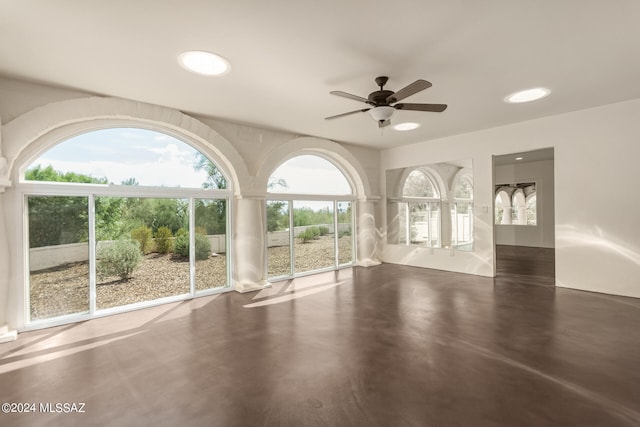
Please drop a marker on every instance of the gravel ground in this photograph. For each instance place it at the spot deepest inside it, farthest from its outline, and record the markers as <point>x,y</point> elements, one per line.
<point>309,256</point>
<point>65,289</point>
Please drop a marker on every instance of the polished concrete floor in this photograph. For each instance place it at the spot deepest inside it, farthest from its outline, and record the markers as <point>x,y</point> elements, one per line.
<point>525,265</point>
<point>380,346</point>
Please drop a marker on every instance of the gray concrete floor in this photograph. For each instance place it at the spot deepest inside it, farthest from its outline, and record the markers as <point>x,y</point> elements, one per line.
<point>381,346</point>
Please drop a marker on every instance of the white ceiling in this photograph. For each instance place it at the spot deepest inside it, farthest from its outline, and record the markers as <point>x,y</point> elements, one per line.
<point>287,55</point>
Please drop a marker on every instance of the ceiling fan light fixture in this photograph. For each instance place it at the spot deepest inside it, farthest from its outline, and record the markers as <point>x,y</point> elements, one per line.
<point>406,126</point>
<point>205,63</point>
<point>527,95</point>
<point>382,113</point>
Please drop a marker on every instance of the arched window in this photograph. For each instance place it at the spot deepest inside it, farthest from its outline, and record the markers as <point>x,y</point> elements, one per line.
<point>418,184</point>
<point>419,210</point>
<point>120,218</point>
<point>309,217</point>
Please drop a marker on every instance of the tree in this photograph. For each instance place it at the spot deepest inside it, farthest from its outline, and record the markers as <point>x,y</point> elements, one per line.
<point>277,216</point>
<point>215,178</point>
<point>57,220</point>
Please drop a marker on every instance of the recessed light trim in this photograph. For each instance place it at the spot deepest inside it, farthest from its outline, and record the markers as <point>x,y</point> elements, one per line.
<point>527,95</point>
<point>518,158</point>
<point>205,63</point>
<point>403,127</point>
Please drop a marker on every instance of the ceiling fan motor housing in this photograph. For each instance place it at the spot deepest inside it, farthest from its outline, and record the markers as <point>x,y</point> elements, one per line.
<point>379,97</point>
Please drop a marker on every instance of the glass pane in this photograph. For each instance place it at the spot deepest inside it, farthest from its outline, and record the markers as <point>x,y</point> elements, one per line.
<point>314,243</point>
<point>531,211</point>
<point>142,250</point>
<point>126,156</point>
<point>58,256</point>
<point>278,239</point>
<point>418,184</point>
<point>462,229</point>
<point>463,190</point>
<point>345,233</point>
<point>419,223</point>
<point>404,236</point>
<point>308,175</point>
<point>211,243</point>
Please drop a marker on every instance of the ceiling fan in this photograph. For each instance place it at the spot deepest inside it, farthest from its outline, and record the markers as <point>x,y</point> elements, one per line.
<point>383,102</point>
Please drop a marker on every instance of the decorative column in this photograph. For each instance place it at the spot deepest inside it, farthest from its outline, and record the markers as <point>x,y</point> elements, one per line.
<point>446,226</point>
<point>367,237</point>
<point>6,334</point>
<point>393,223</point>
<point>522,215</point>
<point>249,244</point>
<point>506,215</point>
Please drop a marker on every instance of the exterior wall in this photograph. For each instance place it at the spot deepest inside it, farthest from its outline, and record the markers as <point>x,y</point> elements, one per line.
<point>52,256</point>
<point>597,240</point>
<point>543,233</point>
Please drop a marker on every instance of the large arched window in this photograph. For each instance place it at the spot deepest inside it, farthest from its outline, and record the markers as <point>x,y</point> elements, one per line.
<point>121,218</point>
<point>309,217</point>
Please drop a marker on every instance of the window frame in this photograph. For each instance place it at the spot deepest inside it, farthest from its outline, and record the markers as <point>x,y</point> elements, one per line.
<point>26,188</point>
<point>290,198</point>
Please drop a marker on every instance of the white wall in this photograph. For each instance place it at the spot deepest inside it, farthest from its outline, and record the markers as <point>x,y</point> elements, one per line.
<point>542,234</point>
<point>597,237</point>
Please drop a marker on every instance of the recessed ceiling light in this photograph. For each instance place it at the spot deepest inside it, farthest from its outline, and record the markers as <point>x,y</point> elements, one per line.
<point>406,126</point>
<point>518,158</point>
<point>206,63</point>
<point>528,95</point>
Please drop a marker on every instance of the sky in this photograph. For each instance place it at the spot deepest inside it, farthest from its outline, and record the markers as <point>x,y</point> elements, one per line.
<point>157,159</point>
<point>153,158</point>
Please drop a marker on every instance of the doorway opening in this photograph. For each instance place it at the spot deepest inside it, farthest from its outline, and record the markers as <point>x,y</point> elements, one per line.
<point>524,226</point>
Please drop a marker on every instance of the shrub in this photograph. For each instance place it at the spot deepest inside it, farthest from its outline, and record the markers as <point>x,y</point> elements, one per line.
<point>344,233</point>
<point>203,246</point>
<point>164,241</point>
<point>307,235</point>
<point>182,232</point>
<point>323,230</point>
<point>181,244</point>
<point>143,236</point>
<point>119,258</point>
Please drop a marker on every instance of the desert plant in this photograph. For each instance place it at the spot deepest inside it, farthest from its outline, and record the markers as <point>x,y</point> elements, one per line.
<point>307,235</point>
<point>203,246</point>
<point>143,236</point>
<point>119,258</point>
<point>164,241</point>
<point>323,230</point>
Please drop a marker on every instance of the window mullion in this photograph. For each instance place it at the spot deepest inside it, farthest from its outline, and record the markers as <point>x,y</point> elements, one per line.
<point>92,254</point>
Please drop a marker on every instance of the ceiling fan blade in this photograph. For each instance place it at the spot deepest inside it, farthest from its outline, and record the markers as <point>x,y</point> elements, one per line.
<point>348,95</point>
<point>409,90</point>
<point>436,108</point>
<point>346,114</point>
<point>382,124</point>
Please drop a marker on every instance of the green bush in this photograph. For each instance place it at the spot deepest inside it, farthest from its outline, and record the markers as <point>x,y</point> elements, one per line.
<point>182,232</point>
<point>143,236</point>
<point>164,241</point>
<point>323,230</point>
<point>119,258</point>
<point>308,235</point>
<point>203,246</point>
